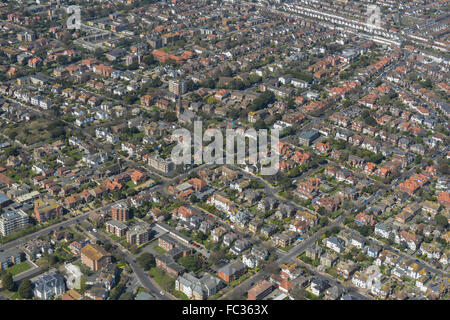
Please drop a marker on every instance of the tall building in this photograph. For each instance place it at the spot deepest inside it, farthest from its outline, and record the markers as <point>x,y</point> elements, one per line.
<point>138,235</point>
<point>133,58</point>
<point>46,209</point>
<point>177,87</point>
<point>120,212</point>
<point>164,165</point>
<point>308,137</point>
<point>12,221</point>
<point>10,257</point>
<point>155,42</point>
<point>95,257</point>
<point>116,227</point>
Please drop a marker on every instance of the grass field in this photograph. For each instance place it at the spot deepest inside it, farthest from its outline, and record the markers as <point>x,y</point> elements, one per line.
<point>164,280</point>
<point>19,268</point>
<point>159,249</point>
<point>238,281</point>
<point>287,248</point>
<point>42,263</point>
<point>114,237</point>
<point>167,283</point>
<point>180,295</point>
<point>130,184</point>
<point>140,289</point>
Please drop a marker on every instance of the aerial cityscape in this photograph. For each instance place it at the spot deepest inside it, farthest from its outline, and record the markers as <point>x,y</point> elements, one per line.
<point>224,150</point>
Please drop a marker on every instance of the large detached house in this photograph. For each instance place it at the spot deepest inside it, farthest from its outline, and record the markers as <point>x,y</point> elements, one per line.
<point>198,288</point>
<point>49,285</point>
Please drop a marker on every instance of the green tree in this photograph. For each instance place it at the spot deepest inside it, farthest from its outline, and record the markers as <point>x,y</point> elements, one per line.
<point>208,83</point>
<point>155,83</point>
<point>191,262</point>
<point>25,290</point>
<point>156,116</point>
<point>443,167</point>
<point>323,221</point>
<point>441,220</point>
<point>370,121</point>
<point>290,103</point>
<point>115,292</point>
<point>133,66</point>
<point>216,255</point>
<point>427,83</point>
<point>322,211</point>
<point>334,230</point>
<point>127,296</point>
<point>130,98</point>
<point>227,72</point>
<point>8,282</point>
<point>98,53</point>
<point>365,114</point>
<point>170,116</point>
<point>52,260</point>
<point>211,100</point>
<point>200,236</point>
<point>418,159</point>
<point>364,230</point>
<point>298,293</point>
<point>61,60</point>
<point>108,246</point>
<point>272,267</point>
<point>146,260</point>
<point>195,97</point>
<point>262,100</point>
<point>260,124</point>
<point>83,285</point>
<point>191,85</point>
<point>149,60</point>
<point>255,184</point>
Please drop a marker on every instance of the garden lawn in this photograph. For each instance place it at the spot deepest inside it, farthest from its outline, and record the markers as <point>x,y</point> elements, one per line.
<point>161,278</point>
<point>287,248</point>
<point>180,295</point>
<point>19,268</point>
<point>159,249</point>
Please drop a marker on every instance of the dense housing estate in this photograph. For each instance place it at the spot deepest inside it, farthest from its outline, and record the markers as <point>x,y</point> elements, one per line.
<point>95,206</point>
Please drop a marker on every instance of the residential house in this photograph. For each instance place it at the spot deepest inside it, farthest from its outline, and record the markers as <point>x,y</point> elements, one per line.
<point>49,285</point>
<point>232,271</point>
<point>95,257</point>
<point>198,288</point>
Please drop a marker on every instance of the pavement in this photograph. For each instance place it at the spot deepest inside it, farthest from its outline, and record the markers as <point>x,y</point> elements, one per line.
<point>145,280</point>
<point>141,275</point>
<point>44,231</point>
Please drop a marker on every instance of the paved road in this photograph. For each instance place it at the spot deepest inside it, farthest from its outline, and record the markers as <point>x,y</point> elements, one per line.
<point>404,255</point>
<point>141,275</point>
<point>290,255</point>
<point>63,224</point>
<point>35,270</point>
<point>45,231</point>
<point>145,280</point>
<point>335,282</point>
